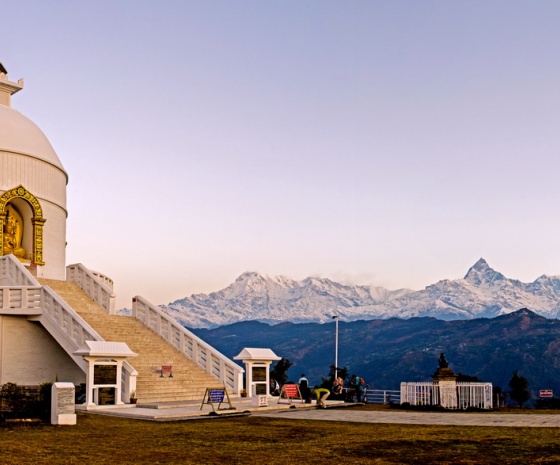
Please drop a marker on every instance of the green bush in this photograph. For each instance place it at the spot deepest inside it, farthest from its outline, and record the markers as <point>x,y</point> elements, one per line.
<point>22,402</point>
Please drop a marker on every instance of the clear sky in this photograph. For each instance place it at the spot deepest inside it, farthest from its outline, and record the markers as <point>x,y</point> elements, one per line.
<point>388,143</point>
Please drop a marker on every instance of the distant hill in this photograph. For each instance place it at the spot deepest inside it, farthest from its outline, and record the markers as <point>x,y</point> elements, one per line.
<point>483,292</point>
<point>387,352</point>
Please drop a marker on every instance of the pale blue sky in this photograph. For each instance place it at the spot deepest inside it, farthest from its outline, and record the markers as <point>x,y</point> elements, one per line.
<point>385,143</point>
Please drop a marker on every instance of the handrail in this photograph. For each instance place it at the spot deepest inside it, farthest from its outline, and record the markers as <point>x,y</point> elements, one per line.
<point>13,272</point>
<point>20,300</point>
<point>92,285</point>
<point>383,396</point>
<point>104,279</point>
<point>190,345</point>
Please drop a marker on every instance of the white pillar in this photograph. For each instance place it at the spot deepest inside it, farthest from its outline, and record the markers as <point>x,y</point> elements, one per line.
<point>89,382</point>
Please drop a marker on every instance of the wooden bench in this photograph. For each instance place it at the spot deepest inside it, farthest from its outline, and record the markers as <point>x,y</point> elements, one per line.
<point>166,369</point>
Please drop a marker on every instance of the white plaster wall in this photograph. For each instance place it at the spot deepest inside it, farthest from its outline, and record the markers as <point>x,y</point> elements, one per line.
<point>30,356</point>
<point>44,180</point>
<point>48,184</point>
<point>54,243</point>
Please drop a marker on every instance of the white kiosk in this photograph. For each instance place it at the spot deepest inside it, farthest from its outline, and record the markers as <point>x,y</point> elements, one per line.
<point>103,378</point>
<point>257,368</point>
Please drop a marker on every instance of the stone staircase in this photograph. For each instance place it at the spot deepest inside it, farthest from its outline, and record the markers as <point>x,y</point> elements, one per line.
<point>189,381</point>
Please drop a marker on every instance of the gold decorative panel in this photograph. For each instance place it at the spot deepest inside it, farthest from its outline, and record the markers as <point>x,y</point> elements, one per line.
<point>37,220</point>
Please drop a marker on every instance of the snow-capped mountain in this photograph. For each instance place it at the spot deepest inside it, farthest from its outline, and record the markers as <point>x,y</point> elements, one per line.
<point>483,292</point>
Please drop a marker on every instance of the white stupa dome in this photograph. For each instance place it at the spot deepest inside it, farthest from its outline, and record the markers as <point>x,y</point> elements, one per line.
<point>18,134</point>
<point>32,190</point>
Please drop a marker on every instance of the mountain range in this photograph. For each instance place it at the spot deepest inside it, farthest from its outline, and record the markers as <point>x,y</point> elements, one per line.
<point>483,292</point>
<point>388,352</point>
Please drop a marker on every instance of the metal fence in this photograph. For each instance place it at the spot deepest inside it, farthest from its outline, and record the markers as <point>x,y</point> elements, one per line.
<point>383,396</point>
<point>460,395</point>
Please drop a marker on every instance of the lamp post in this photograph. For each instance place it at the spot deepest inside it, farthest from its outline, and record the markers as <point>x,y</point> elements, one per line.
<point>335,318</point>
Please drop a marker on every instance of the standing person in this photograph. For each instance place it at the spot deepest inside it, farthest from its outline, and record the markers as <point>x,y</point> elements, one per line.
<point>357,384</point>
<point>360,385</point>
<point>304,388</point>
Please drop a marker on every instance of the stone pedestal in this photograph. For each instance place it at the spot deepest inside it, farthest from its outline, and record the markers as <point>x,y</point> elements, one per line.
<point>447,386</point>
<point>63,410</point>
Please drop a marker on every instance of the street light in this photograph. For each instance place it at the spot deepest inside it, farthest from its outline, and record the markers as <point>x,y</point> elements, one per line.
<point>335,318</point>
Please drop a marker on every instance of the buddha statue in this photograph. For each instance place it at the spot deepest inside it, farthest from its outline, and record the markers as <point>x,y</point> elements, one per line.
<point>13,234</point>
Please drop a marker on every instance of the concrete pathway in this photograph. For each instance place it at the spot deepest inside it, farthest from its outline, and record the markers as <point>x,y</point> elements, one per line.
<point>335,412</point>
<point>175,411</point>
<point>421,418</point>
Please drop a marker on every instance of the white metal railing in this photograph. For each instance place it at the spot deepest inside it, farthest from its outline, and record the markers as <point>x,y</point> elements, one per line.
<point>190,345</point>
<point>478,395</point>
<point>13,273</point>
<point>420,393</point>
<point>474,395</point>
<point>383,396</point>
<point>94,286</point>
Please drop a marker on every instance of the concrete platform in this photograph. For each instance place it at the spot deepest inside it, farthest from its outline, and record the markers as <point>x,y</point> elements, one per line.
<point>176,411</point>
<point>424,418</point>
<point>336,411</point>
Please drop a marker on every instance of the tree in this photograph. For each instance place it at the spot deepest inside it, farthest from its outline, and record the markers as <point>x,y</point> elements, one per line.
<point>280,370</point>
<point>519,389</point>
<point>342,372</point>
<point>461,377</point>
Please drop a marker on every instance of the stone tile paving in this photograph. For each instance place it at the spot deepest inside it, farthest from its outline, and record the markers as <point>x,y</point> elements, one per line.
<point>424,418</point>
<point>334,413</point>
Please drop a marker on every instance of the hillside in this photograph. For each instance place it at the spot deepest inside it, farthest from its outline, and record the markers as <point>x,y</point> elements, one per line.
<point>387,352</point>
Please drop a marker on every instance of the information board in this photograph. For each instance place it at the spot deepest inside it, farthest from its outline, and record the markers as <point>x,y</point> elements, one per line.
<point>106,396</point>
<point>291,390</point>
<point>65,401</point>
<point>259,373</point>
<point>105,374</point>
<point>216,395</point>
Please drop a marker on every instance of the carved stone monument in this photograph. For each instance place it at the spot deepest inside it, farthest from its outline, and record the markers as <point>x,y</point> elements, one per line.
<point>446,380</point>
<point>63,408</point>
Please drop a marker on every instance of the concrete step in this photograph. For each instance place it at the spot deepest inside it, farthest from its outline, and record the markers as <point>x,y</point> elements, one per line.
<point>189,380</point>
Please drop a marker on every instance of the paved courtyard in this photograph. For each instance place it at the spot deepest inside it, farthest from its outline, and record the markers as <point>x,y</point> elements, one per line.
<point>335,412</point>
<point>422,418</point>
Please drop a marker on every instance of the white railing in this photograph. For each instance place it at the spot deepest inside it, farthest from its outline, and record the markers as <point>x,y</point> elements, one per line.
<point>382,396</point>
<point>420,393</point>
<point>468,395</point>
<point>477,395</point>
<point>71,331</point>
<point>104,279</point>
<point>92,285</point>
<point>190,345</point>
<point>25,296</point>
<point>20,300</point>
<point>13,273</point>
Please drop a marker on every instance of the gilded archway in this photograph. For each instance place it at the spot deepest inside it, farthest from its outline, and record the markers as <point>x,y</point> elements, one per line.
<point>37,220</point>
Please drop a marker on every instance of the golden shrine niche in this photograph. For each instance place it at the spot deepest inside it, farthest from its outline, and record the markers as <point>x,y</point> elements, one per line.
<point>21,221</point>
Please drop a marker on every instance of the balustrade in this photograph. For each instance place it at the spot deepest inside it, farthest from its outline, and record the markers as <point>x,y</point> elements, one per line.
<point>190,345</point>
